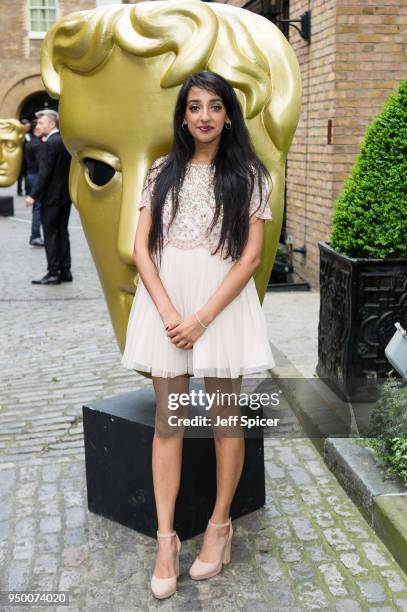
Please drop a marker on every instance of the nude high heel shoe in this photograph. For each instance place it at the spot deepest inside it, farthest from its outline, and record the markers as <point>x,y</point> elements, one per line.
<point>164,587</point>
<point>201,569</point>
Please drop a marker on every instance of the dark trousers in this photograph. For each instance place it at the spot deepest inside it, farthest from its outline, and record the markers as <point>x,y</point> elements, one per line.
<point>21,178</point>
<point>36,208</point>
<point>54,221</point>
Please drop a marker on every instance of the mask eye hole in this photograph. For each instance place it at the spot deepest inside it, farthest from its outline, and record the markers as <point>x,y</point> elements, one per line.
<point>99,172</point>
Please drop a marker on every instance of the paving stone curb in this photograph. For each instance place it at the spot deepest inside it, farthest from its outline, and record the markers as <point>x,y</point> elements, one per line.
<point>383,502</point>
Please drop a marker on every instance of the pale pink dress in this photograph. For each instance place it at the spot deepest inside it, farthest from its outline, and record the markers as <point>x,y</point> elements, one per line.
<point>235,342</point>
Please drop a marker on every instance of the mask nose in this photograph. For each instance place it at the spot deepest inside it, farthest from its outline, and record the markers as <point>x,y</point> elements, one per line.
<point>132,185</point>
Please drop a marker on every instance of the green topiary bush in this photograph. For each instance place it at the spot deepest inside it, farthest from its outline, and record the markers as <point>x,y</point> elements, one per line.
<point>370,215</point>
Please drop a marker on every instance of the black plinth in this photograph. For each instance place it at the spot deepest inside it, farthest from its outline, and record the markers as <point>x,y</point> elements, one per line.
<point>6,206</point>
<point>118,434</point>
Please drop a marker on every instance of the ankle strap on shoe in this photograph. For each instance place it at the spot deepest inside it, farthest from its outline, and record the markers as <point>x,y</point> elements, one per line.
<point>220,524</point>
<point>165,535</point>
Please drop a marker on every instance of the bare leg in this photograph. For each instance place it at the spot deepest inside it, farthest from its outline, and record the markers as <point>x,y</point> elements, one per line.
<point>166,464</point>
<point>229,447</point>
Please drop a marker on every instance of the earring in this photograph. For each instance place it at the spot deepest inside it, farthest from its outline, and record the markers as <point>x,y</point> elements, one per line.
<point>228,125</point>
<point>184,125</point>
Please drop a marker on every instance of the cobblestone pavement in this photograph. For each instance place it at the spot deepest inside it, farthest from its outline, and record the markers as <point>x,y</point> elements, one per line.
<point>309,548</point>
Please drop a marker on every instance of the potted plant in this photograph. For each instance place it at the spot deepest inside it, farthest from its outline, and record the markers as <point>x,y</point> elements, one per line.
<point>363,269</point>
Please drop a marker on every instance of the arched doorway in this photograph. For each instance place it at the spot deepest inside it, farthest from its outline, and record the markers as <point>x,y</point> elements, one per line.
<point>36,102</point>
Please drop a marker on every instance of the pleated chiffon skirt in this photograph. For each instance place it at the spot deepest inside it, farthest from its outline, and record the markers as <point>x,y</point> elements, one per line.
<point>234,343</point>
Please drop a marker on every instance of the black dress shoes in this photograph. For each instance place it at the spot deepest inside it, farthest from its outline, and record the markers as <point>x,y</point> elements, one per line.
<point>66,277</point>
<point>48,279</point>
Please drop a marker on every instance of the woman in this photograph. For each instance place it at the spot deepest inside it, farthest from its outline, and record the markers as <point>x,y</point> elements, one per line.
<point>196,310</point>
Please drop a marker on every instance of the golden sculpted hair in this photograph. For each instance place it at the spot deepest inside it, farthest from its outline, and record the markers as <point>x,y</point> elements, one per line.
<point>205,37</point>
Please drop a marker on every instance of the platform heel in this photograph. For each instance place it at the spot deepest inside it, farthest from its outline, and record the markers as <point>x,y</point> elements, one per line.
<point>200,570</point>
<point>165,587</point>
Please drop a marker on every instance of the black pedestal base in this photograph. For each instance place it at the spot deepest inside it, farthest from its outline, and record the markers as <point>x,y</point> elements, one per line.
<point>118,435</point>
<point>6,206</point>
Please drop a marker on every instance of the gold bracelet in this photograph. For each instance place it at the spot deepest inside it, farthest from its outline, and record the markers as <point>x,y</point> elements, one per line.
<point>205,326</point>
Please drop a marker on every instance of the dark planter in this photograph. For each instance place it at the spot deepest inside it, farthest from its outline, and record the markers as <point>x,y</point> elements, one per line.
<point>360,300</point>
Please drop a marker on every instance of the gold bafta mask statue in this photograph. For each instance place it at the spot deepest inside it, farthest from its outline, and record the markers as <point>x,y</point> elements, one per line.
<point>11,150</point>
<point>117,71</point>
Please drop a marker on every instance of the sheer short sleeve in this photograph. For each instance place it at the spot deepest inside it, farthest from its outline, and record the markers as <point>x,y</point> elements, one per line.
<point>260,209</point>
<point>147,192</point>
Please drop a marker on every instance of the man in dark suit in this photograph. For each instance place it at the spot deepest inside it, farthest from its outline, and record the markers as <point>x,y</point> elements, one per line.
<point>33,146</point>
<point>52,189</point>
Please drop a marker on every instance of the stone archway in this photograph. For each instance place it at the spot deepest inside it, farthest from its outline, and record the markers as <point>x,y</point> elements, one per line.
<point>17,94</point>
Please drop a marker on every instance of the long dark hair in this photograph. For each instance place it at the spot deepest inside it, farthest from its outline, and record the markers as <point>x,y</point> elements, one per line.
<point>236,169</point>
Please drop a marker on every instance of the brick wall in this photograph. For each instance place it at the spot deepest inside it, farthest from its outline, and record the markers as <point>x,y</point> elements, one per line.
<point>19,55</point>
<point>309,164</point>
<point>356,59</point>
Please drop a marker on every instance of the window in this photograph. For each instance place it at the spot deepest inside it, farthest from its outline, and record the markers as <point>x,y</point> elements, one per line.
<point>42,14</point>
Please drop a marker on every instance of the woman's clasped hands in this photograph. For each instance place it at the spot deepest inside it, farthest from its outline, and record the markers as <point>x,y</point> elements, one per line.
<point>183,333</point>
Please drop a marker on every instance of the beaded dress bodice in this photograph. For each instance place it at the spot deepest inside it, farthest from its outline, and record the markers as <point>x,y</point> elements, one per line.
<point>197,204</point>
